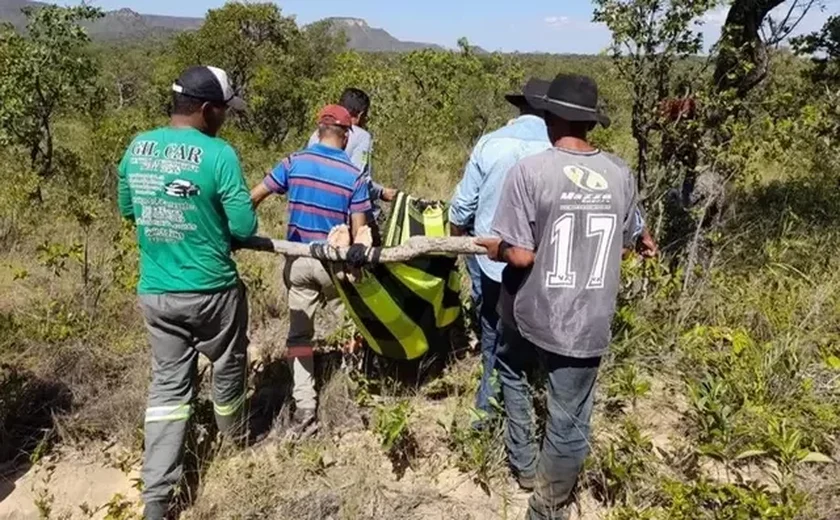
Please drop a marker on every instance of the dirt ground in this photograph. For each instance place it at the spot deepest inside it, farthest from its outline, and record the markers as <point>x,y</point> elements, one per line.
<point>67,487</point>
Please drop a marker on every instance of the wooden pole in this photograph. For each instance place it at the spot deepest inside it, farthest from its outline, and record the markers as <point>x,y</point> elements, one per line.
<point>414,247</point>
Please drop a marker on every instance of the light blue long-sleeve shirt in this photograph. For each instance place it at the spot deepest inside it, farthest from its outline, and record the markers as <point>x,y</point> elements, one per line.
<point>477,195</point>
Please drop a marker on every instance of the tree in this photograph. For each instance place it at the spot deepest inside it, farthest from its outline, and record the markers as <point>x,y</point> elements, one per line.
<point>459,89</point>
<point>271,62</point>
<point>238,38</point>
<point>649,37</point>
<point>742,57</point>
<point>129,74</point>
<point>42,74</point>
<point>285,88</point>
<point>824,48</point>
<point>448,98</point>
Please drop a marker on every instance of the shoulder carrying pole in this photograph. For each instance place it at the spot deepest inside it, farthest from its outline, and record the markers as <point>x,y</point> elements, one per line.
<point>414,247</point>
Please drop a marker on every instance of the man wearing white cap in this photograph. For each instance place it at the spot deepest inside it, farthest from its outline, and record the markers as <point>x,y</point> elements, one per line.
<point>183,188</point>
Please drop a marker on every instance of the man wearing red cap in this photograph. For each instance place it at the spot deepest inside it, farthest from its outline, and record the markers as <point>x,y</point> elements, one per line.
<point>324,190</point>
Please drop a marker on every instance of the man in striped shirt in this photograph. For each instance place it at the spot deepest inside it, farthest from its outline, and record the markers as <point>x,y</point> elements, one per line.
<point>324,190</point>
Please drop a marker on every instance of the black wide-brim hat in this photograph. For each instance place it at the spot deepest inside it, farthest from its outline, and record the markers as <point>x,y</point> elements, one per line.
<point>534,86</point>
<point>570,97</point>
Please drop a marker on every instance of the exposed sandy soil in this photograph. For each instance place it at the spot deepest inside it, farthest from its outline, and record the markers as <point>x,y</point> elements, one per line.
<point>66,484</point>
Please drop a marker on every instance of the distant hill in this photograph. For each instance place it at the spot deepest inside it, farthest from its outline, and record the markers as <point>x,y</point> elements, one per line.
<point>363,37</point>
<point>123,24</point>
<point>126,24</point>
<point>10,11</point>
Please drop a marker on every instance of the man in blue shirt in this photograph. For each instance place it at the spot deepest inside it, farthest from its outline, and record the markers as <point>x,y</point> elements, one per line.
<point>324,190</point>
<point>474,203</point>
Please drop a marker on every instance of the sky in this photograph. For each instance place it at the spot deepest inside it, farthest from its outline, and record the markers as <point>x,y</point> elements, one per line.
<point>562,26</point>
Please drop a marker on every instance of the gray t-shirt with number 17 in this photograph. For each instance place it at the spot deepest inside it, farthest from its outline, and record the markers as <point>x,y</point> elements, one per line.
<point>576,211</point>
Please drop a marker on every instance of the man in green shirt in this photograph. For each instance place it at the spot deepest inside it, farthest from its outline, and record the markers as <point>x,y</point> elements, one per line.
<point>183,187</point>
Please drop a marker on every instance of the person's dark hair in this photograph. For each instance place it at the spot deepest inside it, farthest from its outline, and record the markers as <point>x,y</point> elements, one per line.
<point>573,128</point>
<point>584,127</point>
<point>527,110</point>
<point>331,131</point>
<point>185,105</point>
<point>355,101</point>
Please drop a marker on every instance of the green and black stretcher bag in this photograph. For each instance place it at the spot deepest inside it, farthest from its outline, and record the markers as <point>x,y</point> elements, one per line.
<point>403,308</point>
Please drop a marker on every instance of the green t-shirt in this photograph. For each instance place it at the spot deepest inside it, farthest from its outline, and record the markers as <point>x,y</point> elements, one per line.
<point>186,193</point>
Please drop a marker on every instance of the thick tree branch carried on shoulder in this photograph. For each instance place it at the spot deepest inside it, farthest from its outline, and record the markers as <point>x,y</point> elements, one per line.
<point>413,248</point>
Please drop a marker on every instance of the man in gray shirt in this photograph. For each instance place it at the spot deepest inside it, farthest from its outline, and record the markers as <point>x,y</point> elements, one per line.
<point>564,218</point>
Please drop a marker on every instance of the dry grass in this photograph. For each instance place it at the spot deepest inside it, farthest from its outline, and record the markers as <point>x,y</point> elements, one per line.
<point>315,480</point>
<point>345,473</point>
<point>770,287</point>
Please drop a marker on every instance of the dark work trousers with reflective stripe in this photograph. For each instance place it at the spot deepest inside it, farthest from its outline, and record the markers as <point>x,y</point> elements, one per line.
<point>180,326</point>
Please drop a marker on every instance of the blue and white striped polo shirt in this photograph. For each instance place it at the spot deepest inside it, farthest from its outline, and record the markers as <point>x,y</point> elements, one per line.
<point>324,188</point>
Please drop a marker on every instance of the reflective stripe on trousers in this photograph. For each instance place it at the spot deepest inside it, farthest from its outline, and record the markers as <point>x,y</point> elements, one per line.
<point>179,412</point>
<point>226,410</point>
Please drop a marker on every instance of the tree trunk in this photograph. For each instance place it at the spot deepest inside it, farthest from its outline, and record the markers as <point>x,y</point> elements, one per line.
<point>741,64</point>
<point>742,60</point>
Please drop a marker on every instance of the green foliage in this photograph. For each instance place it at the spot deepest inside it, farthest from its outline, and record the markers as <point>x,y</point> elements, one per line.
<point>44,503</point>
<point>743,350</point>
<point>44,73</point>
<point>55,321</point>
<point>255,277</point>
<point>703,500</point>
<point>391,423</point>
<point>393,429</point>
<point>478,450</point>
<point>311,456</point>
<point>456,87</point>
<point>125,264</point>
<point>649,38</point>
<point>269,59</point>
<point>824,46</point>
<point>712,414</point>
<point>785,445</point>
<point>627,383</point>
<point>620,470</point>
<point>54,256</point>
<point>238,38</point>
<point>119,508</point>
<point>343,334</point>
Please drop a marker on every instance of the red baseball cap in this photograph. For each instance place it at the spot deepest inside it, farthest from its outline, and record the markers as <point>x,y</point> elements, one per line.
<point>335,115</point>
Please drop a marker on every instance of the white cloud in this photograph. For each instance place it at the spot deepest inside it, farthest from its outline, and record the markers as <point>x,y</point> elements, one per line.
<point>557,21</point>
<point>568,22</point>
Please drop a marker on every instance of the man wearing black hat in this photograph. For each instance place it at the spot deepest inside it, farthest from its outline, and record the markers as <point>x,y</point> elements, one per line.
<point>474,202</point>
<point>564,218</point>
<point>183,187</point>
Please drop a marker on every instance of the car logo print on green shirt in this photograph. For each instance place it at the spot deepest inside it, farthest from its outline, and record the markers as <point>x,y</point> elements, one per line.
<point>182,189</point>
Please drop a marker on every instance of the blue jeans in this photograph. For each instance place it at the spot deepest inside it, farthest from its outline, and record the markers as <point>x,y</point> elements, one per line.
<point>475,281</point>
<point>491,336</point>
<point>571,392</point>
